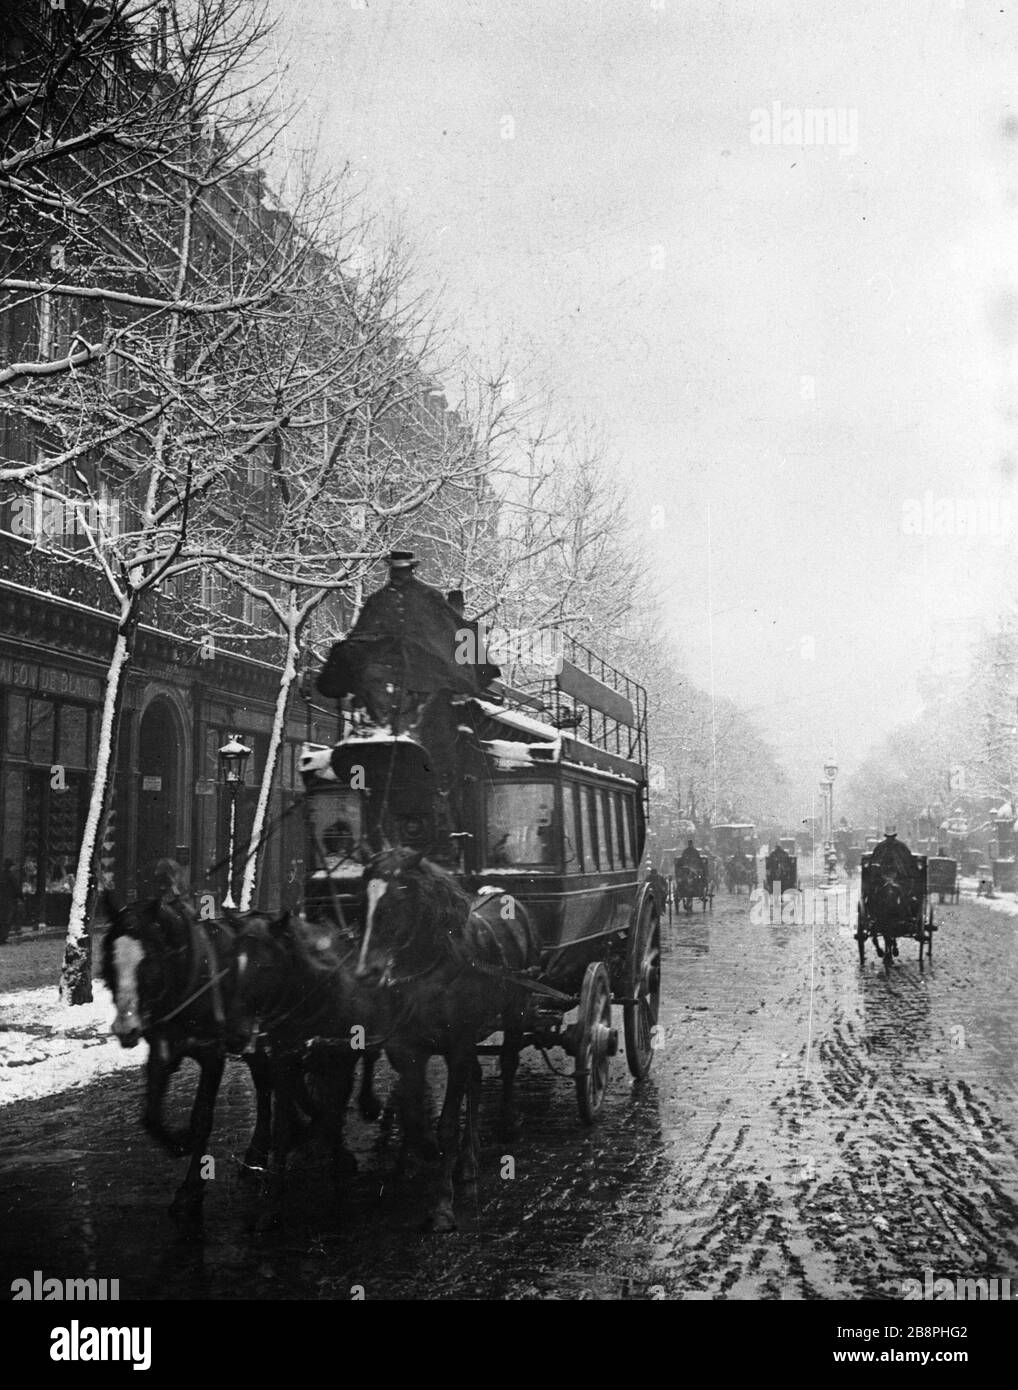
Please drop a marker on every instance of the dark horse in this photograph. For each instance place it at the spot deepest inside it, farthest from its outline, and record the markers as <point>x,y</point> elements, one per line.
<point>690,883</point>
<point>173,981</point>
<point>781,869</point>
<point>892,906</point>
<point>740,870</point>
<point>297,989</point>
<point>445,960</point>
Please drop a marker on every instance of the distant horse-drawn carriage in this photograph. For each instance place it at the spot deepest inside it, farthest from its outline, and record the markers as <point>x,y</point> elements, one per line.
<point>894,902</point>
<point>693,879</point>
<point>943,878</point>
<point>736,846</point>
<point>781,869</point>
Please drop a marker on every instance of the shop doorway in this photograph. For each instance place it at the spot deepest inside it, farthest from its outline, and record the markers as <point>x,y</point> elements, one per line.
<point>158,789</point>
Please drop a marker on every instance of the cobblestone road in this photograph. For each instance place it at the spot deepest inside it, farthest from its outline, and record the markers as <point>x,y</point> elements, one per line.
<point>812,1131</point>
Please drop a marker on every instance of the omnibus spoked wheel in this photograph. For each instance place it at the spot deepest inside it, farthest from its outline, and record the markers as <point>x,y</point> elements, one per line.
<point>642,983</point>
<point>596,1041</point>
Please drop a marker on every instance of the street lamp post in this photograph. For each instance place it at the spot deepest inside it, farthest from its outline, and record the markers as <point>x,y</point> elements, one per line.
<point>233,758</point>
<point>830,772</point>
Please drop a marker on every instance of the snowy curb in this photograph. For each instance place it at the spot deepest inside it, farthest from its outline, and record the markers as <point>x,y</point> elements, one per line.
<point>1006,905</point>
<point>47,1047</point>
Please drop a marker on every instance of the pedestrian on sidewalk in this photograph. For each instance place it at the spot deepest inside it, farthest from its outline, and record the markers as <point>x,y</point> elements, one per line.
<point>10,899</point>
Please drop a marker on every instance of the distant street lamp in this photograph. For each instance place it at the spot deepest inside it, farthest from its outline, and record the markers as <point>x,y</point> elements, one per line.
<point>233,758</point>
<point>830,772</point>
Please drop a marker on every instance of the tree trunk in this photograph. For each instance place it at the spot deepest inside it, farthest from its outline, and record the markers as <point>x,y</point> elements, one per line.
<point>76,977</point>
<point>286,680</point>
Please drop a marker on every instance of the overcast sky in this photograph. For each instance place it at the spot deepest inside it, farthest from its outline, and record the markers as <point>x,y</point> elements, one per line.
<point>796,338</point>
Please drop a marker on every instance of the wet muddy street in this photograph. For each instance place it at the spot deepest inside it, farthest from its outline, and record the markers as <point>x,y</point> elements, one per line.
<point>811,1131</point>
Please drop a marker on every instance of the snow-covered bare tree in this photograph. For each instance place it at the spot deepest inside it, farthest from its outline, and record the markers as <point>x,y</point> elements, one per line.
<point>144,267</point>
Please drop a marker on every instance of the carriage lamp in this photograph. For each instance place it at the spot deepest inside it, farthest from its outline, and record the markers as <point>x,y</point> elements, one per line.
<point>233,758</point>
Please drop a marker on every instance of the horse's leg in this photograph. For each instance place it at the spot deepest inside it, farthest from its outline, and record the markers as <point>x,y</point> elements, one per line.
<point>509,1060</point>
<point>335,1077</point>
<point>261,1075</point>
<point>187,1204</point>
<point>285,1074</point>
<point>368,1103</point>
<point>412,1103</point>
<point>470,1150</point>
<point>459,1066</point>
<point>160,1067</point>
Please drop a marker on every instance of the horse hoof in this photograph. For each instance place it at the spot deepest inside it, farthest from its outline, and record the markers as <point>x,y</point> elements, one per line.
<point>441,1222</point>
<point>177,1143</point>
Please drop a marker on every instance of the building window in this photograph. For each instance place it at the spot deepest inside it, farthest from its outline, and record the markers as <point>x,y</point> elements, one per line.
<point>45,320</point>
<point>211,590</point>
<point>17,718</point>
<point>41,728</point>
<point>73,736</point>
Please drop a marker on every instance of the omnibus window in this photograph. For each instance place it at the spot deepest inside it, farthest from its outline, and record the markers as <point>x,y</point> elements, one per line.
<point>589,841</point>
<point>603,844</point>
<point>631,826</point>
<point>617,831</point>
<point>520,828</point>
<point>573,835</point>
<point>336,828</point>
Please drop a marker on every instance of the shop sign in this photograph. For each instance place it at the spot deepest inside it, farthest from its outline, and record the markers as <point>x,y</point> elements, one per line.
<point>29,675</point>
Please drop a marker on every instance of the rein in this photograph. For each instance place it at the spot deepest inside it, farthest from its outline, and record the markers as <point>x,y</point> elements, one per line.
<point>203,951</point>
<point>282,1014</point>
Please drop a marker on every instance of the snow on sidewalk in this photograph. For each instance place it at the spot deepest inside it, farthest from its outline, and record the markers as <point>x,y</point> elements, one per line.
<point>47,1047</point>
<point>1008,905</point>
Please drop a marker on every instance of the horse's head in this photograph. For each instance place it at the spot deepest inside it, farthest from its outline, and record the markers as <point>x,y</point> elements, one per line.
<point>266,961</point>
<point>413,910</point>
<point>144,956</point>
<point>684,875</point>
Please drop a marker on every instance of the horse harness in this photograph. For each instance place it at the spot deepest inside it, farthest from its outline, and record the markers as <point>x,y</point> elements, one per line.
<point>202,953</point>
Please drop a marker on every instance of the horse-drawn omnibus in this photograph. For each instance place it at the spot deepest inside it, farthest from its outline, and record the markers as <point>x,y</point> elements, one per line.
<point>546,808</point>
<point>736,847</point>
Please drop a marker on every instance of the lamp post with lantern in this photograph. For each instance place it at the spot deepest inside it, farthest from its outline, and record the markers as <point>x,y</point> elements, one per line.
<point>830,772</point>
<point>233,758</point>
